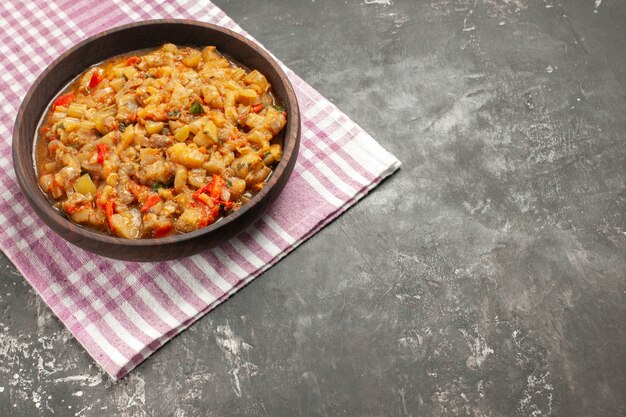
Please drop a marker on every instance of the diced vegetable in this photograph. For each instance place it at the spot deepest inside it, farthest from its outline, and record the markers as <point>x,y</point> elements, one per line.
<point>180,179</point>
<point>276,152</point>
<point>132,60</point>
<point>192,60</point>
<point>188,156</point>
<point>70,124</point>
<point>63,100</point>
<point>96,77</point>
<point>153,127</point>
<point>230,98</point>
<point>127,137</point>
<point>102,151</point>
<point>215,190</point>
<point>182,133</point>
<point>216,187</point>
<point>76,110</point>
<point>196,108</point>
<point>84,185</point>
<point>257,174</point>
<point>236,188</point>
<point>196,217</point>
<point>243,164</point>
<point>127,225</point>
<point>201,139</point>
<point>117,83</point>
<point>110,209</point>
<point>195,126</point>
<point>150,203</point>
<point>129,72</point>
<point>45,181</point>
<point>257,80</point>
<point>210,130</point>
<point>163,230</point>
<point>247,96</point>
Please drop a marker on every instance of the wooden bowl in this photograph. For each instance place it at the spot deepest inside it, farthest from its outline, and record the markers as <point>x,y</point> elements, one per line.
<point>128,38</point>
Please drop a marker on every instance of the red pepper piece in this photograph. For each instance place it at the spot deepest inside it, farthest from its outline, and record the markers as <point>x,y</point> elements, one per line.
<point>102,151</point>
<point>63,100</point>
<point>163,231</point>
<point>199,191</point>
<point>140,191</point>
<point>95,79</point>
<point>150,203</point>
<point>210,214</point>
<point>132,60</point>
<point>110,207</point>
<point>257,108</point>
<point>216,187</point>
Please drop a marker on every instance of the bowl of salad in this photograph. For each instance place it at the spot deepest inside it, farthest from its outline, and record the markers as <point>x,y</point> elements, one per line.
<point>156,140</point>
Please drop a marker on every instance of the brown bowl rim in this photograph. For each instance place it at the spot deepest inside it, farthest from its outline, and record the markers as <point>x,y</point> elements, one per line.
<point>40,202</point>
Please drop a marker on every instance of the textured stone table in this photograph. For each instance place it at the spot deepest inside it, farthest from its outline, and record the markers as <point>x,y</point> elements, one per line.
<point>485,278</point>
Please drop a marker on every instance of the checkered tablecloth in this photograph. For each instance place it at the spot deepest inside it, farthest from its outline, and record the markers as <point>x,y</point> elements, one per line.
<point>121,312</point>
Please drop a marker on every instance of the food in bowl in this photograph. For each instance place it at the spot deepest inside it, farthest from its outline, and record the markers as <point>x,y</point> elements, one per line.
<point>159,143</point>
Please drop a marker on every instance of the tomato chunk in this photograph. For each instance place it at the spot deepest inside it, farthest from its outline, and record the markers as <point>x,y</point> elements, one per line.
<point>95,79</point>
<point>63,100</point>
<point>150,203</point>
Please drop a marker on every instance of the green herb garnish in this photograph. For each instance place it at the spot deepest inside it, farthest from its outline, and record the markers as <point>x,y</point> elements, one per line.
<point>230,184</point>
<point>156,186</point>
<point>175,114</point>
<point>122,126</point>
<point>196,108</point>
<point>279,108</point>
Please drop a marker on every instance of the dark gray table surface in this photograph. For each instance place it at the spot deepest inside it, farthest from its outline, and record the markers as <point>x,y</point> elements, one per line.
<point>485,278</point>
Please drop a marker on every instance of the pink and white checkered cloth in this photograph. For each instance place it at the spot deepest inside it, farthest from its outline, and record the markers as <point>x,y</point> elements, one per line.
<point>121,312</point>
